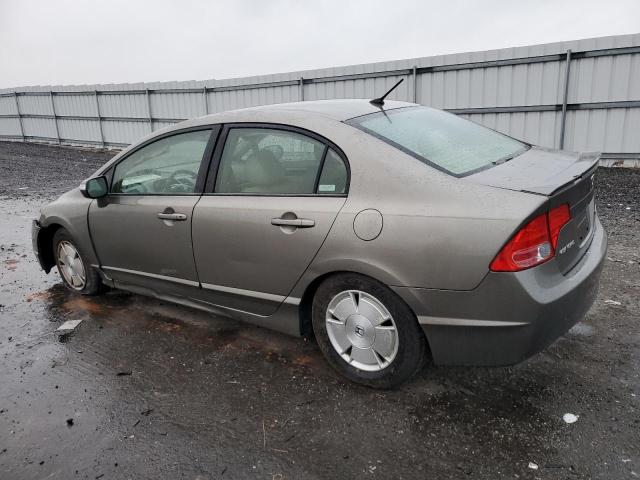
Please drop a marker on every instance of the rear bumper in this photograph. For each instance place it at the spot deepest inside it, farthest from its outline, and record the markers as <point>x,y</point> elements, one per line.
<point>509,316</point>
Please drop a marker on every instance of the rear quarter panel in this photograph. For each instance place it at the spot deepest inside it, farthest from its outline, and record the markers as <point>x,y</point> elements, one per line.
<point>438,231</point>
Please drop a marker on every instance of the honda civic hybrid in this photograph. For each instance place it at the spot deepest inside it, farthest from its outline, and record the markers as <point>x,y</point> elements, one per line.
<point>390,232</point>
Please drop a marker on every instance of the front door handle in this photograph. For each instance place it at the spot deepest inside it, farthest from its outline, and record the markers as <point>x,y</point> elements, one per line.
<point>293,222</point>
<point>178,217</point>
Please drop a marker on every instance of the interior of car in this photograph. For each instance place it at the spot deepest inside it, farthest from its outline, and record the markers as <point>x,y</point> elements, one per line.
<point>269,161</point>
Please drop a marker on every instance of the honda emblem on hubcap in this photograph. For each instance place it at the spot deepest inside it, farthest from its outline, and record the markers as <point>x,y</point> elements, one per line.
<point>361,330</point>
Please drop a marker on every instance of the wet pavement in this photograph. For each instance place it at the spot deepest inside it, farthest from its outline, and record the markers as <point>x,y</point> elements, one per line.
<point>145,389</point>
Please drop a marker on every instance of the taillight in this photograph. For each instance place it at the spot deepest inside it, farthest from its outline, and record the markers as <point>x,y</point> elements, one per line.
<point>535,243</point>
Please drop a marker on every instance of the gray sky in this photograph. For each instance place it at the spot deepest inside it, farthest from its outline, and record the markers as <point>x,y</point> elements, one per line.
<point>44,42</point>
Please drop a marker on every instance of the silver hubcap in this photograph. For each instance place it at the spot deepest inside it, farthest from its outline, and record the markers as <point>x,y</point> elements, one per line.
<point>71,265</point>
<point>362,330</point>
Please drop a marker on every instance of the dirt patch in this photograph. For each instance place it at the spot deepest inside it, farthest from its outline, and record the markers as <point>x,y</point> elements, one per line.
<point>11,264</point>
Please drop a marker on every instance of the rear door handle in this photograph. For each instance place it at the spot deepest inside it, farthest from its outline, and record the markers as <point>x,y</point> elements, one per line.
<point>293,222</point>
<point>178,217</point>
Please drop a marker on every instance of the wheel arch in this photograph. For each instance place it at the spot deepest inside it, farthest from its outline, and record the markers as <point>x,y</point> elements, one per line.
<point>45,245</point>
<point>306,300</point>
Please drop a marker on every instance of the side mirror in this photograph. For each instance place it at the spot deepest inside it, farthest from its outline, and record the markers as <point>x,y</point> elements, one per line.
<point>95,187</point>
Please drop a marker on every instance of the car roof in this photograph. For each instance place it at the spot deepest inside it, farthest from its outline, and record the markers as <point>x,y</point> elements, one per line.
<point>336,110</point>
<point>339,110</point>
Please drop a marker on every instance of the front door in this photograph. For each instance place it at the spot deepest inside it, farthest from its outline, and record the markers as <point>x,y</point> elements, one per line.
<point>142,230</point>
<point>276,195</point>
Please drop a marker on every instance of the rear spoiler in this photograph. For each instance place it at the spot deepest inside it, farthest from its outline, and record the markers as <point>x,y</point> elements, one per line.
<point>583,167</point>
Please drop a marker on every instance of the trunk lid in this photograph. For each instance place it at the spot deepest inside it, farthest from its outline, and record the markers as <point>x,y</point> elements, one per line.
<point>563,177</point>
<point>538,170</point>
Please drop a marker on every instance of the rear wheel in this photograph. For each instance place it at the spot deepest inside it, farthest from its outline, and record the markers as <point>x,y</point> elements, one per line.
<point>366,331</point>
<point>77,275</point>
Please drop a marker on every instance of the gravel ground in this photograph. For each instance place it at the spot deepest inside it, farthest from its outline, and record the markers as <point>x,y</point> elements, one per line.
<point>160,391</point>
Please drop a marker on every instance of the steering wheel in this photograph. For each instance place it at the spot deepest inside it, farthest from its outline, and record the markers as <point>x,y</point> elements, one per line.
<point>182,181</point>
<point>277,150</point>
<point>137,188</point>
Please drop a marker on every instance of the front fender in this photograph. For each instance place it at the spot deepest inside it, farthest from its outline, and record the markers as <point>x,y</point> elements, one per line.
<point>70,211</point>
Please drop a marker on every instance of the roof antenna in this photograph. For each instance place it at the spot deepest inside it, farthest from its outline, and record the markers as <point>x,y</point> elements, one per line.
<point>379,102</point>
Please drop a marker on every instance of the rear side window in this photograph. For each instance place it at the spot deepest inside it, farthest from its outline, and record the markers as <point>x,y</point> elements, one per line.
<point>333,179</point>
<point>443,140</point>
<point>168,166</point>
<point>267,161</point>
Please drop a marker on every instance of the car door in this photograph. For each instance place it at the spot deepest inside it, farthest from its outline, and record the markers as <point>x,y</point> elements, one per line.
<point>265,213</point>
<point>142,230</point>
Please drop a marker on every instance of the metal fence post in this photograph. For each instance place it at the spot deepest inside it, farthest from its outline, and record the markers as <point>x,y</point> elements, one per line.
<point>15,97</point>
<point>565,97</point>
<point>95,96</point>
<point>301,89</point>
<point>205,100</point>
<point>149,110</point>
<point>55,117</point>
<point>415,84</point>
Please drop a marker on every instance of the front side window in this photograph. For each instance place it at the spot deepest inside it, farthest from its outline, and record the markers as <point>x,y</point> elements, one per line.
<point>441,139</point>
<point>269,161</point>
<point>168,166</point>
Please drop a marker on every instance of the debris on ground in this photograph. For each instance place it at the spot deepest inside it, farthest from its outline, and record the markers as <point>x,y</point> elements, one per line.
<point>124,373</point>
<point>612,302</point>
<point>68,327</point>
<point>570,418</point>
<point>533,465</point>
<point>581,329</point>
<point>69,422</point>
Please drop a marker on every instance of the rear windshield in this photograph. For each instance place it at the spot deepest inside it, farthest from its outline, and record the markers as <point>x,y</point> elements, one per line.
<point>441,139</point>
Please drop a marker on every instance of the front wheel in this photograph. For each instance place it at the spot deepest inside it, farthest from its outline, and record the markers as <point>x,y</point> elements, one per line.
<point>77,275</point>
<point>367,332</point>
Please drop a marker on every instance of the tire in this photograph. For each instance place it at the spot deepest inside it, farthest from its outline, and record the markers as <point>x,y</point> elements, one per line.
<point>67,254</point>
<point>365,336</point>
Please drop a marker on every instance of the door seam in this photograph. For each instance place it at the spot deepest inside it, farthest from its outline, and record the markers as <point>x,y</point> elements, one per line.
<point>193,251</point>
<point>314,256</point>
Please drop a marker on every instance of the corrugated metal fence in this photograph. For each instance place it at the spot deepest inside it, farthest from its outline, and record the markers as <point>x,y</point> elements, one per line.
<point>578,95</point>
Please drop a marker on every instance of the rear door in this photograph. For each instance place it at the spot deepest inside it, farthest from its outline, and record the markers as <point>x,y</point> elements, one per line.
<point>142,230</point>
<point>266,212</point>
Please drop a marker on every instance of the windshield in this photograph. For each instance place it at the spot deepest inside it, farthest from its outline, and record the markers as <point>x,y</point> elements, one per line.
<point>441,139</point>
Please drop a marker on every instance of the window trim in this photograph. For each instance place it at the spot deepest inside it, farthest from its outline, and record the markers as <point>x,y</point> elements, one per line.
<point>214,168</point>
<point>356,122</point>
<point>316,182</point>
<point>205,161</point>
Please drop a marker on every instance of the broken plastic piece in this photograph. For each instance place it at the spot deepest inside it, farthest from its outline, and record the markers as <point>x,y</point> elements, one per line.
<point>68,326</point>
<point>612,302</point>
